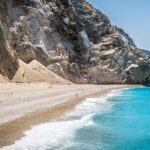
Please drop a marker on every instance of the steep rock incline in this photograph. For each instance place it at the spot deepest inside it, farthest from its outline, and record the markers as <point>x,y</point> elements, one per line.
<point>75,41</point>
<point>13,69</point>
<point>8,62</point>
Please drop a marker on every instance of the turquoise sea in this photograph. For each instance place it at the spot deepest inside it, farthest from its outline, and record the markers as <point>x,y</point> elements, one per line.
<point>120,121</point>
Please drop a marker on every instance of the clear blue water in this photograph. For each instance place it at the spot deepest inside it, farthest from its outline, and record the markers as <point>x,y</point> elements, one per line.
<point>119,122</point>
<point>126,126</point>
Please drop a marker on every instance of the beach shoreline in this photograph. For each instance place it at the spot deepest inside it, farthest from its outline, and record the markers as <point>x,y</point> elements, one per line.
<point>27,105</point>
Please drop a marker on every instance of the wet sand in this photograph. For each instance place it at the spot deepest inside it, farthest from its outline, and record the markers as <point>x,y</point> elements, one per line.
<point>25,105</point>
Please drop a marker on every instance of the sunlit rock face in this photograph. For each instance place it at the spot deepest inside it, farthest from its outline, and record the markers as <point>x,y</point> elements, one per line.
<point>75,41</point>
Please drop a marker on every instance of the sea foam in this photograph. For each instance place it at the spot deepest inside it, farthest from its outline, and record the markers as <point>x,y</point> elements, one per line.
<point>58,135</point>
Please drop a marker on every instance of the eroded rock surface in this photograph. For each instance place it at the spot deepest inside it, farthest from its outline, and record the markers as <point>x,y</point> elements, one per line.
<point>74,40</point>
<point>8,60</point>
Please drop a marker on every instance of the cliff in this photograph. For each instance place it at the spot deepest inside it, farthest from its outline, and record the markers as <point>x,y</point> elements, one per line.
<point>72,39</point>
<point>8,62</point>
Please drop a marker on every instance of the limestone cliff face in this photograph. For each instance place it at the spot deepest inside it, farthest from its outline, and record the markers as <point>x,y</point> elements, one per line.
<point>8,62</point>
<point>75,41</point>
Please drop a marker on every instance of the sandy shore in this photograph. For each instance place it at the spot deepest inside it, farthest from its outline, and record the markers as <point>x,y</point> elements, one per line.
<point>25,105</point>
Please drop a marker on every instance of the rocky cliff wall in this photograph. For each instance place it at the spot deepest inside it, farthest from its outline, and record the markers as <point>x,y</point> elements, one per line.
<point>74,40</point>
<point>8,61</point>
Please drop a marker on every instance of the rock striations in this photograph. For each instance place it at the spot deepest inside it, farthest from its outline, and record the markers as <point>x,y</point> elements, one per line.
<point>72,39</point>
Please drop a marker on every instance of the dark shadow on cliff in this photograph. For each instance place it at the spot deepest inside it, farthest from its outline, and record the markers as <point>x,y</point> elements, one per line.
<point>8,62</point>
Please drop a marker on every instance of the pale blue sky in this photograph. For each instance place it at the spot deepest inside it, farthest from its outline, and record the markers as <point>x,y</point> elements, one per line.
<point>131,15</point>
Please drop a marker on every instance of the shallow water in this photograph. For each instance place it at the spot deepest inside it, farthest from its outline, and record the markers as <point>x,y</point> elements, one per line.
<point>120,121</point>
